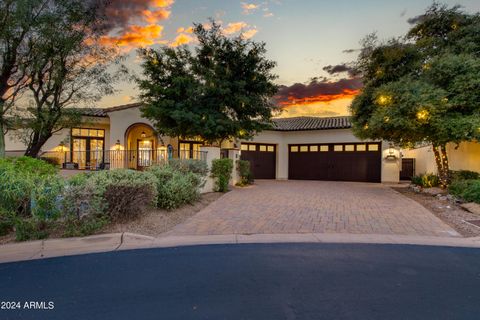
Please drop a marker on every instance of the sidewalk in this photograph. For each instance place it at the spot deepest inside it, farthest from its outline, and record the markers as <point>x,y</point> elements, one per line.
<point>127,241</point>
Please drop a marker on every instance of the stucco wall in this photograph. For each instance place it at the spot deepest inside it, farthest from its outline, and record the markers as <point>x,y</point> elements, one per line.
<point>390,169</point>
<point>13,143</point>
<point>465,157</point>
<point>121,120</point>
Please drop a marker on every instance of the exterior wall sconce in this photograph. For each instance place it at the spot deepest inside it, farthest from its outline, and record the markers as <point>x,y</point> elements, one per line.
<point>391,153</point>
<point>117,145</point>
<point>143,135</point>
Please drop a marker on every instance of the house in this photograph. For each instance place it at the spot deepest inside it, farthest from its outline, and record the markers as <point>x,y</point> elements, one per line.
<point>306,148</point>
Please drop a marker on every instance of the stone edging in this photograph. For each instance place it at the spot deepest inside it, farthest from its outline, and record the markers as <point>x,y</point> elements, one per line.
<point>128,241</point>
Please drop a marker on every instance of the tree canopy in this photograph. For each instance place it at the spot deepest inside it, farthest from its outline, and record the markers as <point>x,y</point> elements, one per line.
<point>423,87</point>
<point>222,89</point>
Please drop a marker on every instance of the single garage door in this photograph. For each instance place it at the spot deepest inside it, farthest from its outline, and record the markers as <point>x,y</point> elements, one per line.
<point>335,162</point>
<point>262,159</point>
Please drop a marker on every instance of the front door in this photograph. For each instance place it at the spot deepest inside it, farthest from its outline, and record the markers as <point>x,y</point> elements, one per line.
<point>87,153</point>
<point>144,154</point>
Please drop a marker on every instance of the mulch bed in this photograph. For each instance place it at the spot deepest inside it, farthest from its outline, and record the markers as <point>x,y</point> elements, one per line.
<point>450,213</point>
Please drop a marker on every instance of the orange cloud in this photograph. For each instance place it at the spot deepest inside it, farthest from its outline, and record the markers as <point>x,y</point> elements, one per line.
<point>293,101</point>
<point>135,36</point>
<point>162,3</point>
<point>249,33</point>
<point>249,7</point>
<point>181,39</point>
<point>233,27</point>
<point>183,30</point>
<point>153,17</point>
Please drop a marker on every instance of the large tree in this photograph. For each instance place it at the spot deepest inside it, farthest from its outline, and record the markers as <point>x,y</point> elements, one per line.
<point>423,88</point>
<point>18,21</point>
<point>67,69</point>
<point>222,89</point>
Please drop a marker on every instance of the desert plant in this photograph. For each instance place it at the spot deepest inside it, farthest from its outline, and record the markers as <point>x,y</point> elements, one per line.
<point>31,229</point>
<point>7,221</point>
<point>246,175</point>
<point>465,175</point>
<point>189,165</point>
<point>175,187</point>
<point>84,226</point>
<point>427,180</point>
<point>222,172</point>
<point>118,194</point>
<point>467,190</point>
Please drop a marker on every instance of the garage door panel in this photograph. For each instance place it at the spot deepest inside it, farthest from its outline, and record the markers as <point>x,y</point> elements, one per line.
<point>262,158</point>
<point>342,162</point>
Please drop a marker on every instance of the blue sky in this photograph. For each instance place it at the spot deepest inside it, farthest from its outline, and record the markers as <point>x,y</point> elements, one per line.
<point>301,36</point>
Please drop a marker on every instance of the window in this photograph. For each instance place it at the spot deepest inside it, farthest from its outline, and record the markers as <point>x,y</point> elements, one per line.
<point>323,148</point>
<point>373,147</point>
<point>85,132</point>
<point>270,148</point>
<point>252,147</point>
<point>263,148</point>
<point>349,147</point>
<point>244,147</point>
<point>361,147</point>
<point>338,147</point>
<point>313,148</point>
<point>294,149</point>
<point>303,148</point>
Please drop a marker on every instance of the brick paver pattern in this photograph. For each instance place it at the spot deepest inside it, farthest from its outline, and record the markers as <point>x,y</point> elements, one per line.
<point>270,207</point>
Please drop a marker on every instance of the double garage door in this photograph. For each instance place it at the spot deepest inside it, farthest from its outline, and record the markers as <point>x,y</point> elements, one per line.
<point>336,162</point>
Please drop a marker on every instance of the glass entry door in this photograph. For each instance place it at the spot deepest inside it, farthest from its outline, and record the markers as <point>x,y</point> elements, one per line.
<point>144,153</point>
<point>189,150</point>
<point>87,153</point>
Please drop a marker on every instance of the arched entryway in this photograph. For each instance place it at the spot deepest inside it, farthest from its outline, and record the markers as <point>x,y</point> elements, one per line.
<point>141,143</point>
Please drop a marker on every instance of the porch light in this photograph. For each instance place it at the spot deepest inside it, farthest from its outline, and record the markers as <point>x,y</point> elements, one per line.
<point>143,135</point>
<point>117,145</point>
<point>391,153</point>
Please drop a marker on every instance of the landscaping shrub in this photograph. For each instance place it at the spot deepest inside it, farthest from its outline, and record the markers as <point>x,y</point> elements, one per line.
<point>7,221</point>
<point>246,175</point>
<point>31,229</point>
<point>222,172</point>
<point>118,194</point>
<point>189,165</point>
<point>29,187</point>
<point>427,180</point>
<point>468,190</point>
<point>175,187</point>
<point>84,226</point>
<point>465,175</point>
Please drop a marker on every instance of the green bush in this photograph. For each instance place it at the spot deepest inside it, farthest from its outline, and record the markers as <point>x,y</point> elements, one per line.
<point>465,175</point>
<point>175,187</point>
<point>29,187</point>
<point>222,172</point>
<point>118,194</point>
<point>7,221</point>
<point>84,226</point>
<point>31,229</point>
<point>468,190</point>
<point>246,175</point>
<point>427,180</point>
<point>189,165</point>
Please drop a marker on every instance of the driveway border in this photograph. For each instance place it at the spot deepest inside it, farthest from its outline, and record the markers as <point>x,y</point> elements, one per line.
<point>42,249</point>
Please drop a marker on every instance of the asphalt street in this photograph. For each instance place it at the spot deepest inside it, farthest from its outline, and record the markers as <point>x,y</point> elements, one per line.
<point>257,281</point>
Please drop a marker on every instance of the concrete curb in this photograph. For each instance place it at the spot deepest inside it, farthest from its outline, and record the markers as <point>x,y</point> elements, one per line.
<point>128,241</point>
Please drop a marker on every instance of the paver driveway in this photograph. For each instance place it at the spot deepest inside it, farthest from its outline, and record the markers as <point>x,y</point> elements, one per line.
<point>314,207</point>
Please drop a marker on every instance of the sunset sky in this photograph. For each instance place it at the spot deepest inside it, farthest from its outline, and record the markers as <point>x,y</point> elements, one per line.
<point>310,40</point>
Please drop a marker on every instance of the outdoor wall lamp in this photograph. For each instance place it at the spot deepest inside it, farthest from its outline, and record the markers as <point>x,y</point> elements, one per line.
<point>117,145</point>
<point>143,135</point>
<point>391,153</point>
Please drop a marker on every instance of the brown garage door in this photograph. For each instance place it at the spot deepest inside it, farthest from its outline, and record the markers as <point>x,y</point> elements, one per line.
<point>262,159</point>
<point>335,162</point>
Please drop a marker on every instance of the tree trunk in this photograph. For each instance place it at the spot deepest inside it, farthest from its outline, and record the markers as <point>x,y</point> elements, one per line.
<point>441,160</point>
<point>2,140</point>
<point>36,145</point>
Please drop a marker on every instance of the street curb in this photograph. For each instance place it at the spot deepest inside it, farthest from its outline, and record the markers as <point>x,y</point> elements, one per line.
<point>128,241</point>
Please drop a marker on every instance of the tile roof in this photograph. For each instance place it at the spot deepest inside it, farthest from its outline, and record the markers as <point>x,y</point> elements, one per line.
<point>311,123</point>
<point>93,112</point>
